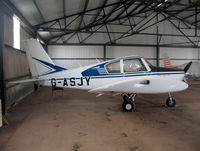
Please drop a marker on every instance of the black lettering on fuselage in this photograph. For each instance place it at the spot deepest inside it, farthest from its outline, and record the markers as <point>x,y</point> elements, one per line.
<point>65,82</point>
<point>87,80</point>
<point>72,81</point>
<point>81,82</point>
<point>53,82</point>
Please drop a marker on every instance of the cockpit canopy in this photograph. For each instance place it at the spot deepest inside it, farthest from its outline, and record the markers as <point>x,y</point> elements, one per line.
<point>127,65</point>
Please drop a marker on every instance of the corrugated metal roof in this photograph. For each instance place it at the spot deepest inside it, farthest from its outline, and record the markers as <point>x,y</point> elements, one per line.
<point>108,21</point>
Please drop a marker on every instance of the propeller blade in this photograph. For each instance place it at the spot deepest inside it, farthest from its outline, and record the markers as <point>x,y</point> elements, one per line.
<point>187,66</point>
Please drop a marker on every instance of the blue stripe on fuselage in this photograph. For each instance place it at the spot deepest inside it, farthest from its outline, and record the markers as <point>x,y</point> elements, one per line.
<point>149,74</point>
<point>52,68</point>
<point>133,75</point>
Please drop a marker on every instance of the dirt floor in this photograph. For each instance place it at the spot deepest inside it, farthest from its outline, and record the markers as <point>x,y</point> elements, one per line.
<point>79,121</point>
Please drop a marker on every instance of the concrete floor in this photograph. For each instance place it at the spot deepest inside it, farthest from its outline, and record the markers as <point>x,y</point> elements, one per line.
<point>78,121</point>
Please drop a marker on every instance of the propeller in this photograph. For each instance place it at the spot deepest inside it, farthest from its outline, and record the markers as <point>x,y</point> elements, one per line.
<point>186,69</point>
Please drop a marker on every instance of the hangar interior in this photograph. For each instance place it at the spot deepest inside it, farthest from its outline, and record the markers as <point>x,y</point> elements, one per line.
<point>82,32</point>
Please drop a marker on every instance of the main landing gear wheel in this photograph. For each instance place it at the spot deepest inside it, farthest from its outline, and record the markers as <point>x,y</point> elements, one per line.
<point>170,102</point>
<point>128,105</point>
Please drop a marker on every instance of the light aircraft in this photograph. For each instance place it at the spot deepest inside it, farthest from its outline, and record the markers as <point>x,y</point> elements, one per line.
<point>129,76</point>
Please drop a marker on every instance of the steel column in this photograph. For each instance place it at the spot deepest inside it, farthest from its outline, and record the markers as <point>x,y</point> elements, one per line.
<point>2,78</point>
<point>104,52</point>
<point>157,47</point>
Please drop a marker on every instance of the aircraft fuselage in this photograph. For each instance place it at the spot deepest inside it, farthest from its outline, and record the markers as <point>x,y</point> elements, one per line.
<point>94,76</point>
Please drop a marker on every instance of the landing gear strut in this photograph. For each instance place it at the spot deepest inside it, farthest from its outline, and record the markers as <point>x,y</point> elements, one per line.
<point>170,102</point>
<point>128,105</point>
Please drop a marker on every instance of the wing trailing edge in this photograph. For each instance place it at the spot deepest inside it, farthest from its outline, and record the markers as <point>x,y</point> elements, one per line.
<point>27,81</point>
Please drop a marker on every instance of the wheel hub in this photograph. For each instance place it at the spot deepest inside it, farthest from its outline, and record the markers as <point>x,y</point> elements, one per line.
<point>128,106</point>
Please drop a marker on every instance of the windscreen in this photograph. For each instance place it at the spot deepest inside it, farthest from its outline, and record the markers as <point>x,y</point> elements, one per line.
<point>133,65</point>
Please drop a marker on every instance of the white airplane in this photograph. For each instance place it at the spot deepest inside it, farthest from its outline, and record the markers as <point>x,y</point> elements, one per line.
<point>127,75</point>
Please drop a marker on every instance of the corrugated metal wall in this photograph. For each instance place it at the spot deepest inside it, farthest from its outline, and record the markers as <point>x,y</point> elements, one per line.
<point>15,64</point>
<point>180,56</point>
<point>74,56</point>
<point>119,51</point>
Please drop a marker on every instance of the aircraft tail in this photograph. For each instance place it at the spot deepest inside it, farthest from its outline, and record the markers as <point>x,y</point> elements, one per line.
<point>39,62</point>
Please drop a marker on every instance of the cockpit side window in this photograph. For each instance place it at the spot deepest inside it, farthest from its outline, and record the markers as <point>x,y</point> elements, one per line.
<point>133,65</point>
<point>113,67</point>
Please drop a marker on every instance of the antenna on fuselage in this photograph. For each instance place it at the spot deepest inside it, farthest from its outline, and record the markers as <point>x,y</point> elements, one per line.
<point>98,61</point>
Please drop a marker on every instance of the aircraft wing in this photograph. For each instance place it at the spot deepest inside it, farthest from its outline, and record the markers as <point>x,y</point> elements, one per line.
<point>26,81</point>
<point>148,85</point>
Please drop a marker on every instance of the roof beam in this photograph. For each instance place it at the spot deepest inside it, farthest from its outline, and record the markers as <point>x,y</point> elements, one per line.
<point>180,43</point>
<point>97,8</point>
<point>112,11</point>
<point>195,22</point>
<point>191,15</point>
<point>125,9</point>
<point>89,10</point>
<point>116,32</point>
<point>64,9</point>
<point>166,18</point>
<point>126,45</point>
<point>82,15</point>
<point>140,11</point>
<point>107,30</point>
<point>182,32</point>
<point>125,16</point>
<point>38,9</point>
<point>192,5</point>
<point>81,20</point>
<point>90,26</point>
<point>91,33</point>
<point>99,12</point>
<point>41,15</point>
<point>135,8</point>
<point>106,16</point>
<point>25,23</point>
<point>135,32</point>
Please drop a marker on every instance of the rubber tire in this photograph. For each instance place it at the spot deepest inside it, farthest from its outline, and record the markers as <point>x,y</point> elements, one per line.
<point>127,104</point>
<point>169,103</point>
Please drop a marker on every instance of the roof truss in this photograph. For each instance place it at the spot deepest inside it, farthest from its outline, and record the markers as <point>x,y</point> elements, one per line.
<point>132,15</point>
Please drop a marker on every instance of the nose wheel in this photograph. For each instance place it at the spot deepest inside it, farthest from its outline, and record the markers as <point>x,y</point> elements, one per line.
<point>128,105</point>
<point>170,102</point>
